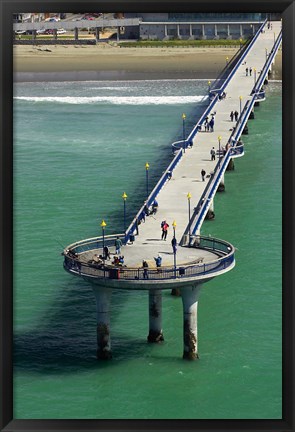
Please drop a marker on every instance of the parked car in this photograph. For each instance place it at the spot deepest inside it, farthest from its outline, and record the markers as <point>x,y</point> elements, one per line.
<point>52,19</point>
<point>61,31</point>
<point>41,31</point>
<point>20,32</point>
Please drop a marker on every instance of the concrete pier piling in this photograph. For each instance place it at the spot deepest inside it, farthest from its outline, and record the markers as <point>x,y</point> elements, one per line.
<point>231,165</point>
<point>103,301</point>
<point>245,130</point>
<point>221,187</point>
<point>155,316</point>
<point>210,213</point>
<point>190,296</point>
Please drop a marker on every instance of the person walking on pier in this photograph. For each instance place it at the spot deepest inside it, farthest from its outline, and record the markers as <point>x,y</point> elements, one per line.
<point>164,227</point>
<point>118,245</point>
<point>236,115</point>
<point>106,253</point>
<point>246,71</point>
<point>174,245</point>
<point>212,153</point>
<point>232,116</point>
<point>250,71</point>
<point>211,124</point>
<point>145,271</point>
<point>203,173</point>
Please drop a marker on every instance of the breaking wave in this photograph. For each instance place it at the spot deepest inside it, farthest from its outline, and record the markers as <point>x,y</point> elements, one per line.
<point>115,100</point>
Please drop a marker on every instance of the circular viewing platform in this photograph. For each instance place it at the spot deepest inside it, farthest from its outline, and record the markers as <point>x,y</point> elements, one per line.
<point>206,258</point>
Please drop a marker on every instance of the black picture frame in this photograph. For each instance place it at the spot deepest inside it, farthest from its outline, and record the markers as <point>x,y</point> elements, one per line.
<point>7,423</point>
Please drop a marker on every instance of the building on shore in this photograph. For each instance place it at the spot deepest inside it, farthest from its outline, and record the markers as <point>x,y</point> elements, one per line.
<point>165,26</point>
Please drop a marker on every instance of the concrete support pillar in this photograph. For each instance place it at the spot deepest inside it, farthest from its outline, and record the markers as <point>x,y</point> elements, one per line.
<point>76,33</point>
<point>245,130</point>
<point>252,116</point>
<point>228,32</point>
<point>55,34</point>
<point>178,33</point>
<point>221,187</point>
<point>190,30</point>
<point>176,292</point>
<point>118,34</point>
<point>215,30</point>
<point>190,296</point>
<point>97,33</point>
<point>203,31</point>
<point>103,301</point>
<point>165,31</point>
<point>210,213</point>
<point>231,165</point>
<point>155,316</point>
<point>241,30</point>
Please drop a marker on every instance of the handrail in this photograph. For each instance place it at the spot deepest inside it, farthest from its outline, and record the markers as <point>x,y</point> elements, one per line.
<point>178,155</point>
<point>77,247</point>
<point>212,185</point>
<point>227,80</point>
<point>165,177</point>
<point>243,55</point>
<point>263,73</point>
<point>187,142</point>
<point>229,65</point>
<point>223,249</point>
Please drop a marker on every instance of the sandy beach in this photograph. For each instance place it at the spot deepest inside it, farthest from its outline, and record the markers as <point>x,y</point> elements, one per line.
<point>106,61</point>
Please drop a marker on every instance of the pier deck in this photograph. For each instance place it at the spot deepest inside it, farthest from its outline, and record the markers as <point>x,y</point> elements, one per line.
<point>172,199</point>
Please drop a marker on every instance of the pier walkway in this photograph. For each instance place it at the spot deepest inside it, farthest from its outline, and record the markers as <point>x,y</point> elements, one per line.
<point>184,201</point>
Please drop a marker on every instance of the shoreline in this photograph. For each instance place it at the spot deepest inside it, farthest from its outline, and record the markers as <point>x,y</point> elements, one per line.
<point>111,63</point>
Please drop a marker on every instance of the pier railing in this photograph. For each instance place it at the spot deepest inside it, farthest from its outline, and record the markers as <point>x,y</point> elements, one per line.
<point>180,146</point>
<point>267,65</point>
<point>234,148</point>
<point>76,265</point>
<point>164,178</point>
<point>244,54</point>
<point>216,92</point>
<point>217,83</point>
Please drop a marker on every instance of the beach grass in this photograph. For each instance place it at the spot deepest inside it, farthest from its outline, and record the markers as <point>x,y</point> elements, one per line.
<point>182,43</point>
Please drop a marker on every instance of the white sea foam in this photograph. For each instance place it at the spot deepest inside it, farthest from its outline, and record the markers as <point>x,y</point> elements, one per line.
<point>115,100</point>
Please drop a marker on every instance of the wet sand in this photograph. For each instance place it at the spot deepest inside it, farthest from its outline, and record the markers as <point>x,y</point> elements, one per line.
<point>110,62</point>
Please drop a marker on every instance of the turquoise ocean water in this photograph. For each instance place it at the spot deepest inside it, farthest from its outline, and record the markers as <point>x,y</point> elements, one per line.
<point>77,147</point>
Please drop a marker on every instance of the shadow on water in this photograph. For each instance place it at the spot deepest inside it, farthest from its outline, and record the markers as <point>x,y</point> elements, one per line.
<point>66,340</point>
